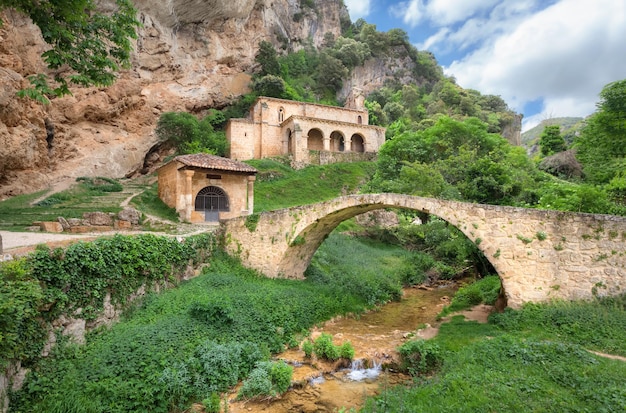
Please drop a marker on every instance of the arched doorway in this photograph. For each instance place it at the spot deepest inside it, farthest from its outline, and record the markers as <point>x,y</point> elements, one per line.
<point>357,144</point>
<point>212,200</point>
<point>315,140</point>
<point>337,142</point>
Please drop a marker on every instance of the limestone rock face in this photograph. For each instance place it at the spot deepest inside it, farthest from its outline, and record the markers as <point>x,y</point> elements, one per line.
<point>190,55</point>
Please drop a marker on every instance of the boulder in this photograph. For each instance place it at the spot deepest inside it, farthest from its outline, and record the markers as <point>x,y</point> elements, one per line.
<point>76,222</point>
<point>130,214</point>
<point>98,218</point>
<point>51,226</point>
<point>64,223</point>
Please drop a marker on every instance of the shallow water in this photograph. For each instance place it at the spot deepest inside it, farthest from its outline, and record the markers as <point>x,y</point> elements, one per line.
<point>326,387</point>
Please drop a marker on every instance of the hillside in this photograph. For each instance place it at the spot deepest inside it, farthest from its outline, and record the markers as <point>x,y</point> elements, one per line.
<point>188,57</point>
<point>569,129</point>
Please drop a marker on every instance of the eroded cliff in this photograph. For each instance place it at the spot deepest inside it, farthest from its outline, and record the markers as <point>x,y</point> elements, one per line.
<point>190,55</point>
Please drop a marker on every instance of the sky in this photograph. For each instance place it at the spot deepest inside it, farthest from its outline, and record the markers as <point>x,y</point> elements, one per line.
<point>545,58</point>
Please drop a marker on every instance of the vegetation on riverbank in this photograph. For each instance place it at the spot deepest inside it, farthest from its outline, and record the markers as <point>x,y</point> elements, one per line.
<point>533,359</point>
<point>203,337</point>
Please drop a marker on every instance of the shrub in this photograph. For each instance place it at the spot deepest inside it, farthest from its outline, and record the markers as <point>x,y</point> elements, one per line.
<point>485,290</point>
<point>257,384</point>
<point>269,378</point>
<point>281,374</point>
<point>307,347</point>
<point>212,404</point>
<point>324,348</point>
<point>346,351</point>
<point>420,357</point>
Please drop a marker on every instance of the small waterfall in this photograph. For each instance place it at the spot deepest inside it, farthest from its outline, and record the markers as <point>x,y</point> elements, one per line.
<point>358,372</point>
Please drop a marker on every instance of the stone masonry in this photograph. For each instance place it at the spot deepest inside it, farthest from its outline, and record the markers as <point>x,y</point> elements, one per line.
<point>539,255</point>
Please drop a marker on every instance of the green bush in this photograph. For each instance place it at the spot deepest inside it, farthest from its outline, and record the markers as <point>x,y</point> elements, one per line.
<point>212,404</point>
<point>324,348</point>
<point>189,135</point>
<point>47,283</point>
<point>420,357</point>
<point>307,347</point>
<point>485,290</point>
<point>267,379</point>
<point>346,351</point>
<point>281,374</point>
<point>21,331</point>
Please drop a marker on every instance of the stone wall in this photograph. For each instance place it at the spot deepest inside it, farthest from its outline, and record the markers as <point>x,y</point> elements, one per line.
<point>173,192</point>
<point>539,255</point>
<point>327,157</point>
<point>277,127</point>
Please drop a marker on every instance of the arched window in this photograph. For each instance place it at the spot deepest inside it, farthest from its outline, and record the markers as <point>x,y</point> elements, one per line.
<point>212,198</point>
<point>281,114</point>
<point>359,120</point>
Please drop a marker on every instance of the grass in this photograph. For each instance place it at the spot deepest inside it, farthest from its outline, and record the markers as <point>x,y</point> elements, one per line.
<point>19,212</point>
<point>202,337</point>
<point>278,186</point>
<point>149,202</point>
<point>485,291</point>
<point>535,359</point>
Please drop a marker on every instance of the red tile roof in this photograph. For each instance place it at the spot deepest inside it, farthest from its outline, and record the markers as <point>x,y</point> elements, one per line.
<point>206,161</point>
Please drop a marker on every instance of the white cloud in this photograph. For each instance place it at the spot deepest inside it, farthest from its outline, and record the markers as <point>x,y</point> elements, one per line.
<point>411,12</point>
<point>445,12</point>
<point>435,39</point>
<point>358,8</point>
<point>564,54</point>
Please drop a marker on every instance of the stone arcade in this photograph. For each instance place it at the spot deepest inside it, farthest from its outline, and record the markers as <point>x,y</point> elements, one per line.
<point>308,133</point>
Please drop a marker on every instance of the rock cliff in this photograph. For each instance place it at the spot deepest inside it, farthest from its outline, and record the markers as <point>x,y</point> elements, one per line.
<point>190,55</point>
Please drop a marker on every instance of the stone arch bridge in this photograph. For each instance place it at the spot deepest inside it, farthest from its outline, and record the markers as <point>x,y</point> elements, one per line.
<point>539,255</point>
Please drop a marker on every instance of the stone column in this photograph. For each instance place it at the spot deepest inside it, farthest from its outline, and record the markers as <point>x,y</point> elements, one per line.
<point>347,144</point>
<point>297,143</point>
<point>326,141</point>
<point>188,194</point>
<point>251,180</point>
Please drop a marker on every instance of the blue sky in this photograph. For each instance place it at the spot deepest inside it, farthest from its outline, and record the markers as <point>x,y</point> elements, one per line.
<point>546,58</point>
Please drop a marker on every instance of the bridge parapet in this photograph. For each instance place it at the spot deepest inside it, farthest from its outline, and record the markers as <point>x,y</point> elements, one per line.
<point>539,255</point>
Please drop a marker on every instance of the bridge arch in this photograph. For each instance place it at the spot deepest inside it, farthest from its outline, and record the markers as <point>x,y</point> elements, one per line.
<point>539,255</point>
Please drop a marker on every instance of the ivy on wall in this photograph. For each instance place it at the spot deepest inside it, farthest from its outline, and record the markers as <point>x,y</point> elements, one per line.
<point>50,282</point>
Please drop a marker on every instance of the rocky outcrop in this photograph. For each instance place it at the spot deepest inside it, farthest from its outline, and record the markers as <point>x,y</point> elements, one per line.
<point>373,74</point>
<point>189,56</point>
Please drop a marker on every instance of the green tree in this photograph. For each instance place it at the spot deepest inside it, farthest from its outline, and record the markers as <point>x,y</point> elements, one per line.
<point>271,86</point>
<point>189,135</point>
<point>551,141</point>
<point>87,47</point>
<point>601,146</point>
<point>351,52</point>
<point>268,59</point>
<point>331,72</point>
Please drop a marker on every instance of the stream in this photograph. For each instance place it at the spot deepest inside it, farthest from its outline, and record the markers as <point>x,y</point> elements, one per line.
<point>319,386</point>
